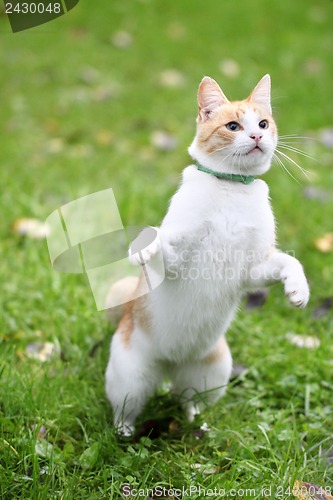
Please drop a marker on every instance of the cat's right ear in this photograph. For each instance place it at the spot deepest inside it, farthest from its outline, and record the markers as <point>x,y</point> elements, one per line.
<point>210,97</point>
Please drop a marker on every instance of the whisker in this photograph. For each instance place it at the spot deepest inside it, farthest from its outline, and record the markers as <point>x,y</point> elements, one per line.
<point>294,162</point>
<point>217,150</point>
<point>280,162</point>
<point>294,136</point>
<point>296,150</point>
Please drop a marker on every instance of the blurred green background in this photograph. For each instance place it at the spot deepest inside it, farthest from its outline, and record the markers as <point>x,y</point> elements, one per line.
<point>80,102</point>
<point>105,96</point>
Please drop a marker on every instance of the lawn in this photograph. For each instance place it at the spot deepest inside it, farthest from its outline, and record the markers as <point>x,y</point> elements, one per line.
<point>106,97</point>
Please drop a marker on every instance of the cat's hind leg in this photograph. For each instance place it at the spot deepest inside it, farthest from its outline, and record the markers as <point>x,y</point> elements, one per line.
<point>203,381</point>
<point>131,378</point>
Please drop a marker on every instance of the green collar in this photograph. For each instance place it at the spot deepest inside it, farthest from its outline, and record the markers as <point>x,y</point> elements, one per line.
<point>245,179</point>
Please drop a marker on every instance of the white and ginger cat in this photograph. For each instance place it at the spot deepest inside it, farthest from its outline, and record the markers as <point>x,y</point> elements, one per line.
<point>218,243</point>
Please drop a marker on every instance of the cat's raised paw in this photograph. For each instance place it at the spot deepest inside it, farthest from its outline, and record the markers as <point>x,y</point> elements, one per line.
<point>297,290</point>
<point>143,256</point>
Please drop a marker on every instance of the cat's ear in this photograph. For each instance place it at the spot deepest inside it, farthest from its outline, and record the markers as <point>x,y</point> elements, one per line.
<point>210,97</point>
<point>262,93</point>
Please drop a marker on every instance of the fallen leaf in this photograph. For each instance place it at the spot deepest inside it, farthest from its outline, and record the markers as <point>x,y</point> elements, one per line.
<point>308,491</point>
<point>104,137</point>
<point>32,228</point>
<point>174,426</point>
<point>324,307</point>
<point>80,151</point>
<point>176,30</point>
<point>315,193</point>
<point>202,468</point>
<point>43,351</point>
<point>163,140</point>
<point>42,431</point>
<point>326,137</point>
<point>313,66</point>
<point>51,126</point>
<point>325,243</point>
<point>230,68</point>
<point>303,341</point>
<point>172,78</point>
<point>89,75</point>
<point>122,39</point>
<point>104,93</point>
<point>54,146</point>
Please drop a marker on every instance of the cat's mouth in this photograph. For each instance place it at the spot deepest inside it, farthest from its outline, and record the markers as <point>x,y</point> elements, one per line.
<point>255,150</point>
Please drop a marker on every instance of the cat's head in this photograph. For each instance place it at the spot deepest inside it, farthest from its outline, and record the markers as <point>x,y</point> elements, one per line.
<point>236,137</point>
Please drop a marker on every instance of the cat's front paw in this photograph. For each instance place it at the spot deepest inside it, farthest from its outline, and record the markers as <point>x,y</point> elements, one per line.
<point>141,257</point>
<point>296,287</point>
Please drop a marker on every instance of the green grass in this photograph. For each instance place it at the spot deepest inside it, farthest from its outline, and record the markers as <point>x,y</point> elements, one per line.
<point>275,422</point>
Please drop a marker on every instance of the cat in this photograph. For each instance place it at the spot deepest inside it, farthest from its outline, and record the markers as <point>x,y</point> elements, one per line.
<point>218,243</point>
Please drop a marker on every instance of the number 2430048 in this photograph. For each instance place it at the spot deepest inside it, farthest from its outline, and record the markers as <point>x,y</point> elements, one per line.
<point>33,8</point>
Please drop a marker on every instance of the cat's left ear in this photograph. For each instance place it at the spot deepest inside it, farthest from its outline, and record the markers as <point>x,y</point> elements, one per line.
<point>262,93</point>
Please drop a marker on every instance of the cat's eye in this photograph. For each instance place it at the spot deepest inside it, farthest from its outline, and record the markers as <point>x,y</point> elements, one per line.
<point>233,126</point>
<point>263,124</point>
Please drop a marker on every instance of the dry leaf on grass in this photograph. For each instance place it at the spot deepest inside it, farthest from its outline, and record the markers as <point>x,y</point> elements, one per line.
<point>313,66</point>
<point>122,39</point>
<point>172,78</point>
<point>230,68</point>
<point>43,351</point>
<point>32,228</point>
<point>176,30</point>
<point>318,194</point>
<point>104,137</point>
<point>89,75</point>
<point>304,341</point>
<point>42,431</point>
<point>163,141</point>
<point>205,470</point>
<point>326,137</point>
<point>308,491</point>
<point>325,243</point>
<point>54,146</point>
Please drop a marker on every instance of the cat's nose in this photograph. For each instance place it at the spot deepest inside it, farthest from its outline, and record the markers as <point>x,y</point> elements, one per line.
<point>256,137</point>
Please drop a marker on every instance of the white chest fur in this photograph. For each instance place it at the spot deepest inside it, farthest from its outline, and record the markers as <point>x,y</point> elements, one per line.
<point>215,231</point>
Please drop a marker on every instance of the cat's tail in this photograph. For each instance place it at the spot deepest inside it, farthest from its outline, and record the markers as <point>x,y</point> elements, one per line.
<point>120,292</point>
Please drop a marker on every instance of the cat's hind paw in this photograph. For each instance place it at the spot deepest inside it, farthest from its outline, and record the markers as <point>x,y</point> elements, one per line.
<point>125,430</point>
<point>191,411</point>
